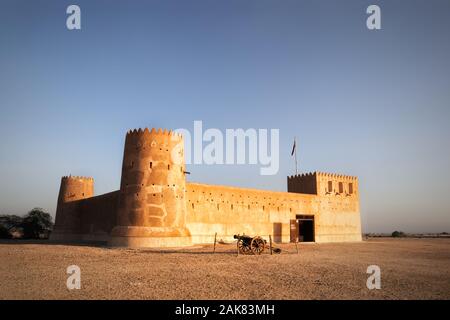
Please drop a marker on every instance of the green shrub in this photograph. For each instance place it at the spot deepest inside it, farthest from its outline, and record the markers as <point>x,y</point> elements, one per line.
<point>35,223</point>
<point>398,234</point>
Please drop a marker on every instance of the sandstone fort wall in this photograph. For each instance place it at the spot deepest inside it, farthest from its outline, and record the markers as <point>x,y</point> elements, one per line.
<point>155,207</point>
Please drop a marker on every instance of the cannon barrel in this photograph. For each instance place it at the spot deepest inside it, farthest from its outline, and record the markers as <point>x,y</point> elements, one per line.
<point>243,237</point>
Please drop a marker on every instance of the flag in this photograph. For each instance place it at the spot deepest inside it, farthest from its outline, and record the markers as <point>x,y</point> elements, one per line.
<point>293,148</point>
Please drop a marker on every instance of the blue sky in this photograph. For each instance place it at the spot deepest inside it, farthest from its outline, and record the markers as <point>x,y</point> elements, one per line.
<point>375,104</point>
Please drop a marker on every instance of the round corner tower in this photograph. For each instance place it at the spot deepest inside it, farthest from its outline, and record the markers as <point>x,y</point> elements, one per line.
<point>67,219</point>
<point>152,207</point>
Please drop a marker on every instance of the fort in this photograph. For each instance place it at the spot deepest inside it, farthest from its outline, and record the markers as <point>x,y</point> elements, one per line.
<point>156,207</point>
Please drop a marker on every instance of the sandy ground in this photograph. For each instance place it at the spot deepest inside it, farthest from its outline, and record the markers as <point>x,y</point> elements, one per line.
<point>410,269</point>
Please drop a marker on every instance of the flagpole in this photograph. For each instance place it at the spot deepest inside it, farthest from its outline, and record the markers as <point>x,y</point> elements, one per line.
<point>295,155</point>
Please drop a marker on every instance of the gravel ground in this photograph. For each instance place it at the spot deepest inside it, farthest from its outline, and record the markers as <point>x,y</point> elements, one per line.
<point>410,269</point>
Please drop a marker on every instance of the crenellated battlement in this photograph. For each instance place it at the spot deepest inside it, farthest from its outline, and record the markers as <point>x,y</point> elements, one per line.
<point>301,175</point>
<point>322,175</point>
<point>154,132</point>
<point>335,176</point>
<point>70,177</point>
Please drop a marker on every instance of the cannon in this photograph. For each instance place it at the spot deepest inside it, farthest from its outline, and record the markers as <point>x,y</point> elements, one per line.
<point>250,245</point>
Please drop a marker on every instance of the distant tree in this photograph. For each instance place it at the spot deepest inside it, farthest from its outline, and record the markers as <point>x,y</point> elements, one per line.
<point>4,233</point>
<point>398,234</point>
<point>9,223</point>
<point>35,223</point>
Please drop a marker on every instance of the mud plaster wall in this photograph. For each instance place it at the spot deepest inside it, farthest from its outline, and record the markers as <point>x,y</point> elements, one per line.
<point>98,215</point>
<point>230,210</point>
<point>90,219</point>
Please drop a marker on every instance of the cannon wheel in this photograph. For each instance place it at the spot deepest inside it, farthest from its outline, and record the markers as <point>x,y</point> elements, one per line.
<point>243,248</point>
<point>257,245</point>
